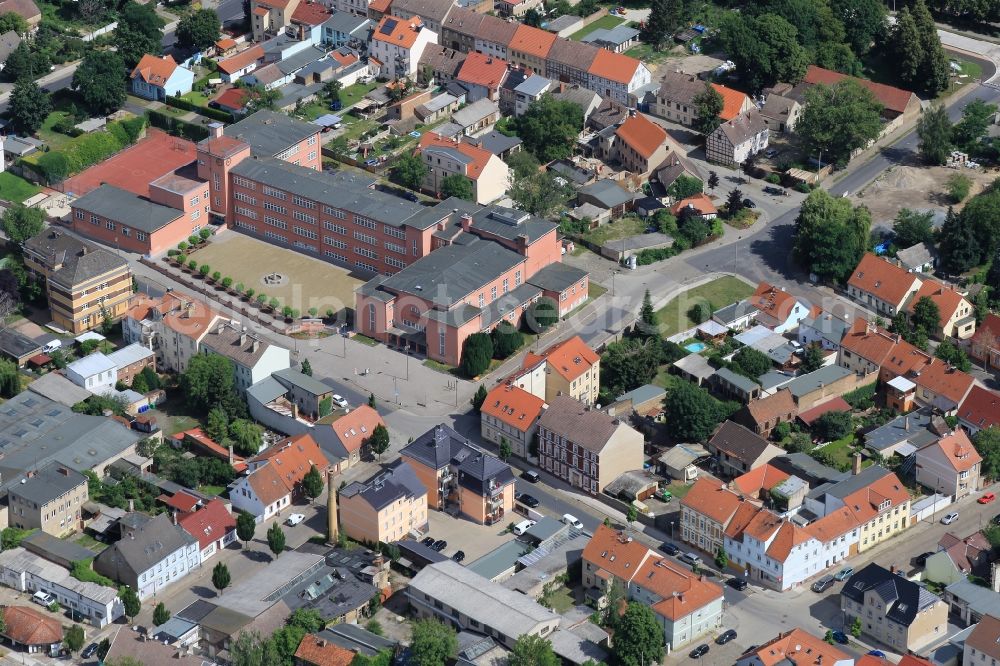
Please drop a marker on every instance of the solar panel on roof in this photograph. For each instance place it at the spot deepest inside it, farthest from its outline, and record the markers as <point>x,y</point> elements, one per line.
<point>388,26</point>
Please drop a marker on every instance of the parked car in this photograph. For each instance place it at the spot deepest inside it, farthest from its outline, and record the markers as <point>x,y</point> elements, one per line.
<point>526,500</point>
<point>986,498</point>
<point>458,556</point>
<point>43,598</point>
<point>339,401</point>
<point>725,637</point>
<point>738,584</point>
<point>530,475</point>
<point>844,573</point>
<point>440,545</point>
<point>428,541</point>
<point>770,152</point>
<point>776,191</point>
<point>690,558</point>
<point>670,549</point>
<point>523,527</point>
<point>950,518</point>
<point>699,651</point>
<point>572,521</point>
<point>823,584</point>
<point>921,559</point>
<point>840,637</point>
<point>749,203</point>
<point>295,519</point>
<point>89,651</point>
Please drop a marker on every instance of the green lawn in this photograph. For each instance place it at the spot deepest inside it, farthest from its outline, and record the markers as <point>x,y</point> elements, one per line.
<point>212,490</point>
<point>603,22</point>
<point>625,227</point>
<point>196,97</point>
<point>351,95</point>
<point>647,53</point>
<point>560,600</point>
<point>16,189</point>
<point>719,293</point>
<point>55,140</point>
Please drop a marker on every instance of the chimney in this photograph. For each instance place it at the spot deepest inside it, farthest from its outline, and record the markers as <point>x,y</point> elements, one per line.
<point>63,471</point>
<point>243,337</point>
<point>466,221</point>
<point>173,516</point>
<point>295,410</point>
<point>522,244</point>
<point>215,130</point>
<point>230,451</point>
<point>220,328</point>
<point>856,464</point>
<point>332,526</point>
<point>255,346</point>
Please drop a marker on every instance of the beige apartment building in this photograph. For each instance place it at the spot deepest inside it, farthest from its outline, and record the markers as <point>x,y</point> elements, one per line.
<point>50,499</point>
<point>386,507</point>
<point>568,368</point>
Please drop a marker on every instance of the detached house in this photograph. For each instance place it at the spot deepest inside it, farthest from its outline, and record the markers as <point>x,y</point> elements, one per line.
<point>397,44</point>
<point>984,346</point>
<point>569,368</point>
<point>739,450</point>
<point>979,410</point>
<point>615,75</point>
<point>950,465</point>
<point>274,476</point>
<point>958,319</point>
<point>509,412</point>
<point>882,286</point>
<point>172,326</point>
<point>488,174</point>
<point>734,141</point>
<point>640,145</point>
<point>212,525</point>
<point>159,77</point>
<point>777,309</point>
<point>386,507</point>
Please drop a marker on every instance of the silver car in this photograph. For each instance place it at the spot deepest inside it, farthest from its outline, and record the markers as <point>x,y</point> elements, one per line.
<point>950,518</point>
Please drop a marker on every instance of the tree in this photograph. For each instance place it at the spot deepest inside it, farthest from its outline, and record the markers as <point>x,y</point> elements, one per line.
<point>506,340</point>
<point>629,363</point>
<point>531,650</point>
<point>139,31</point>
<point>100,82</point>
<point>371,400</point>
<point>856,627</point>
<point>721,558</point>
<point>987,443</point>
<point>433,643</point>
<point>839,119</point>
<point>831,235</point>
<point>713,180</point>
<point>10,381</point>
<point>198,30</point>
<point>217,424</point>
<point>312,483</point>
<point>926,315</point>
<point>647,315</point>
<point>209,382</point>
<point>982,214</point>
<point>331,92</point>
<point>734,202</point>
<point>306,368</point>
<point>541,314</point>
<point>458,186</point>
<point>476,354</point>
<point>690,413</point>
<point>523,164</point>
<point>130,602</point>
<point>220,576</point>
<point>248,649</point>
<point>539,193</point>
<point>952,354</point>
<point>504,451</point>
<point>765,49</point>
<point>631,515</point>
<point>479,398</point>
<point>958,185</point>
<point>13,21</point>
<point>21,223</point>
<point>934,68</point>
<point>276,539</point>
<point>22,63</point>
<point>812,359</point>
<point>665,16</point>
<point>549,128</point>
<point>409,170</point>
<point>638,637</point>
<point>246,436</point>
<point>957,244</point>
<point>976,119</point>
<point>246,526</point>
<point>74,638</point>
<point>935,132</point>
<point>905,48</point>
<point>832,425</point>
<point>685,186</point>
<point>160,614</point>
<point>258,97</point>
<point>911,227</point>
<point>708,106</point>
<point>533,17</point>
<point>751,363</point>
<point>379,441</point>
<point>29,106</point>
<point>864,22</point>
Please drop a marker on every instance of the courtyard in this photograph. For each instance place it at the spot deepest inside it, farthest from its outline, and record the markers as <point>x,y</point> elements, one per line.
<point>296,280</point>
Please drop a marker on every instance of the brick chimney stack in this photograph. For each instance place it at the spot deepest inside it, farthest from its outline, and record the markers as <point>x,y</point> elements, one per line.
<point>332,525</point>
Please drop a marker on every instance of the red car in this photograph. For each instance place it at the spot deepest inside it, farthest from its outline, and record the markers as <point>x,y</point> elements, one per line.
<point>987,498</point>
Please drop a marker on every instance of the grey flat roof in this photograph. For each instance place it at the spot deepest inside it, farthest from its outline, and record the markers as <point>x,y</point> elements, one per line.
<point>294,63</point>
<point>499,560</point>
<point>122,206</point>
<point>302,381</point>
<point>804,384</point>
<point>259,592</point>
<point>133,353</point>
<point>56,387</point>
<point>912,427</point>
<point>345,22</point>
<point>533,85</point>
<point>270,133</point>
<point>644,393</point>
<point>615,36</point>
<point>17,344</point>
<point>397,482</point>
<point>982,600</point>
<point>607,192</point>
<point>557,277</point>
<point>495,142</point>
<point>356,638</point>
<point>475,112</point>
<point>48,483</point>
<point>737,380</point>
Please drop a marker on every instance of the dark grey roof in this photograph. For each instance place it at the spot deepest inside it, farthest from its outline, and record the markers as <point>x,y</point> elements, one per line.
<point>9,41</point>
<point>356,638</point>
<point>607,193</point>
<point>451,273</point>
<point>903,598</point>
<point>806,467</point>
<point>147,546</point>
<point>557,277</point>
<point>270,133</point>
<point>733,312</point>
<point>737,380</point>
<point>244,349</point>
<point>80,261</point>
<point>815,380</point>
<point>49,483</point>
<point>570,418</point>
<point>495,142</point>
<point>739,442</point>
<point>346,22</point>
<point>130,209</point>
<point>505,303</point>
<point>611,37</point>
<point>916,256</point>
<point>441,446</point>
<point>339,189</point>
<point>576,174</point>
<point>302,381</point>
<point>509,223</point>
<point>430,10</point>
<point>336,588</point>
<point>390,485</point>
<point>852,482</point>
<point>912,427</point>
<point>294,63</point>
<point>16,344</point>
<point>60,551</point>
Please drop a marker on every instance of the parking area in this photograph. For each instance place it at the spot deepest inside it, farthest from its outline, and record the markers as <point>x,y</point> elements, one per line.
<point>461,534</point>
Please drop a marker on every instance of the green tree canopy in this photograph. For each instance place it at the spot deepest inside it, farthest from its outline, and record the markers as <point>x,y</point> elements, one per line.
<point>864,22</point>
<point>541,315</point>
<point>765,49</point>
<point>540,193</point>
<point>982,214</point>
<point>100,82</point>
<point>831,235</point>
<point>476,354</point>
<point>220,576</point>
<point>665,17</point>
<point>987,443</point>
<point>506,340</point>
<point>312,483</point>
<point>21,223</point>
<point>926,315</point>
<point>977,116</point>
<point>479,398</point>
<point>690,413</point>
<point>708,105</point>
<point>409,171</point>
<point>638,637</point>
<point>139,31</point>
<point>954,355</point>
<point>458,186</point>
<point>29,106</point>
<point>246,526</point>
<point>523,164</point>
<point>13,21</point>
<point>379,441</point>
<point>832,425</point>
<point>530,650</point>
<point>911,227</point>
<point>839,119</point>
<point>957,243</point>
<point>549,128</point>
<point>276,539</point>
<point>629,363</point>
<point>812,359</point>
<point>160,614</point>
<point>433,643</point>
<point>130,601</point>
<point>74,638</point>
<point>751,362</point>
<point>208,382</point>
<point>198,30</point>
<point>935,132</point>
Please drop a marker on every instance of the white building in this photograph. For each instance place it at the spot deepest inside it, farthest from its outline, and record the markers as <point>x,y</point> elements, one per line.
<point>273,476</point>
<point>27,572</point>
<point>735,140</point>
<point>97,373</point>
<point>170,326</point>
<point>398,43</point>
<point>616,75</point>
<point>255,358</point>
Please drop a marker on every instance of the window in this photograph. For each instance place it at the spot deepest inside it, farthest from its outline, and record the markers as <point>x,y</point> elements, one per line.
<point>335,228</point>
<point>245,212</point>
<point>517,279</point>
<point>126,231</point>
<point>305,203</point>
<point>395,263</point>
<point>195,214</point>
<point>506,285</point>
<point>395,232</point>
<point>110,225</point>
<point>312,155</point>
<point>311,141</point>
<point>400,249</point>
<point>275,207</point>
<point>493,294</point>
<point>365,252</point>
<point>365,238</point>
<point>336,242</point>
<point>304,246</point>
<point>333,255</point>
<point>335,212</point>
<point>308,233</point>
<point>302,217</point>
<point>441,342</point>
<point>365,222</point>
<point>277,194</point>
<point>275,222</point>
<point>140,236</point>
<point>195,201</point>
<point>245,198</point>
<point>242,182</point>
<point>80,215</point>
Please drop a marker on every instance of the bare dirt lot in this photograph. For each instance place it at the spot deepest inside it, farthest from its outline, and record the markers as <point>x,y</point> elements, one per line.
<point>917,188</point>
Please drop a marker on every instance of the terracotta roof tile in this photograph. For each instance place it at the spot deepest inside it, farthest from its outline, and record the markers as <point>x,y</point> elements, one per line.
<point>356,426</point>
<point>642,134</point>
<point>286,463</point>
<point>398,31</point>
<point>883,279</point>
<point>482,70</point>
<point>760,479</point>
<point>773,302</point>
<point>957,450</point>
<point>209,523</point>
<point>893,99</point>
<point>988,333</point>
<point>615,553</point>
<point>712,499</point>
<point>865,502</point>
<point>981,408</point>
<point>321,652</point>
<point>798,646</point>
<point>235,99</point>
<point>871,343</point>
<point>532,41</point>
<point>944,380</point>
<point>732,101</point>
<point>310,13</point>
<point>28,626</point>
<point>768,409</point>
<point>946,298</point>
<point>700,202</point>
<point>833,525</point>
<point>155,70</point>
<point>789,535</point>
<point>682,592</point>
<point>837,404</point>
<point>570,358</point>
<point>513,406</point>
<point>479,157</point>
<point>614,66</point>
<point>242,59</point>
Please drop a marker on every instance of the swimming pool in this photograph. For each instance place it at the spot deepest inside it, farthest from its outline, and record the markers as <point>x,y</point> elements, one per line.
<point>695,347</point>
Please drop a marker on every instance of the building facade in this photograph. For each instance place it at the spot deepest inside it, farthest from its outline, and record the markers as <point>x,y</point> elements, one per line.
<point>386,507</point>
<point>51,500</point>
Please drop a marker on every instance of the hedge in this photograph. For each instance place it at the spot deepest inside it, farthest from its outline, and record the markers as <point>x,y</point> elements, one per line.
<point>86,150</point>
<point>214,114</point>
<point>175,126</point>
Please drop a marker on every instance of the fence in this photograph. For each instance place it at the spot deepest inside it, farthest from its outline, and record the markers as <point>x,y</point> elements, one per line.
<point>928,506</point>
<point>90,36</point>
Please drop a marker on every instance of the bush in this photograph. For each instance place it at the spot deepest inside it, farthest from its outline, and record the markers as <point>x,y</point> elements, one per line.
<point>287,311</point>
<point>194,240</point>
<point>175,126</point>
<point>804,188</point>
<point>250,292</point>
<point>773,178</point>
<point>651,256</point>
<point>204,233</point>
<point>476,354</point>
<point>204,269</point>
<point>217,276</point>
<point>214,114</point>
<point>833,425</point>
<point>172,252</point>
<point>958,187</point>
<point>506,340</point>
<point>541,314</point>
<point>182,246</point>
<point>193,264</point>
<point>182,259</point>
<point>239,288</point>
<point>295,313</point>
<point>227,282</point>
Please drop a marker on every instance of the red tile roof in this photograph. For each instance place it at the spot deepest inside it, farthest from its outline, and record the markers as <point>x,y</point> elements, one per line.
<point>761,478</point>
<point>833,525</point>
<point>838,404</point>
<point>233,99</point>
<point>614,552</point>
<point>940,378</point>
<point>355,427</point>
<point>195,437</point>
<point>398,31</point>
<point>883,279</point>
<point>893,99</point>
<point>946,298</point>
<point>321,652</point>
<point>209,523</point>
<point>532,41</point>
<point>482,70</point>
<point>28,626</point>
<point>682,592</point>
<point>773,302</point>
<point>614,66</point>
<point>182,501</point>
<point>570,358</point>
<point>981,408</point>
<point>380,6</point>
<point>286,463</point>
<point>871,343</point>
<point>798,647</point>
<point>513,406</point>
<point>733,101</point>
<point>642,134</point>
<point>699,202</point>
<point>712,500</point>
<point>155,70</point>
<point>225,43</point>
<point>957,450</point>
<point>479,157</point>
<point>311,13</point>
<point>864,503</point>
<point>242,59</point>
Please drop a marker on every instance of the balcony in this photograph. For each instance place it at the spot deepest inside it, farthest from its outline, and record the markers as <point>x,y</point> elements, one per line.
<point>494,502</point>
<point>494,517</point>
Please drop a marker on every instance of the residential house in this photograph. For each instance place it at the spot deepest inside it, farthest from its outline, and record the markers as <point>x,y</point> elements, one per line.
<point>51,499</point>
<point>734,141</point>
<point>31,630</point>
<point>439,64</point>
<point>445,158</point>
<point>434,13</point>
<point>979,410</point>
<point>819,386</point>
<point>83,282</point>
<point>212,525</point>
<point>236,66</point>
<point>969,602</point>
<point>529,47</point>
<point>454,594</point>
<point>160,77</point>
<point>385,508</point>
<point>984,346</point>
<point>274,476</point>
<point>950,466</point>
<point>172,326</point>
<point>699,205</point>
<point>569,368</point>
<point>510,413</point>
<point>675,99</point>
<point>957,559</point>
<point>253,357</point>
<point>152,554</point>
<point>618,39</point>
<point>982,645</point>
<point>777,309</point>
<point>738,450</point>
<point>94,372</point>
<point>865,347</point>
<point>641,145</point>
<point>482,76</point>
<point>893,610</point>
<point>345,28</point>
<point>919,258</point>
<point>517,8</point>
<point>584,447</point>
<point>936,383</point>
<point>706,511</point>
<point>316,651</point>
<point>957,316</point>
<point>616,75</point>
<point>686,606</point>
<point>780,113</point>
<point>882,286</point>
<point>796,646</point>
<point>737,316</point>
<point>530,91</point>
<point>608,195</point>
<point>824,331</point>
<point>398,43</point>
<point>456,472</point>
<point>734,386</point>
<point>353,432</point>
<point>130,360</point>
<point>477,118</point>
<point>895,102</point>
<point>761,416</point>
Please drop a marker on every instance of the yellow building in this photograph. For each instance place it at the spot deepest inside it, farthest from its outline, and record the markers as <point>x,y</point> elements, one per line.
<point>568,368</point>
<point>384,508</point>
<point>83,283</point>
<point>51,499</point>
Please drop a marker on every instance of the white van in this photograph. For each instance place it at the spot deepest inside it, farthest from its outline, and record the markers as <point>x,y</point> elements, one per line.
<point>51,346</point>
<point>43,598</point>
<point>523,527</point>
